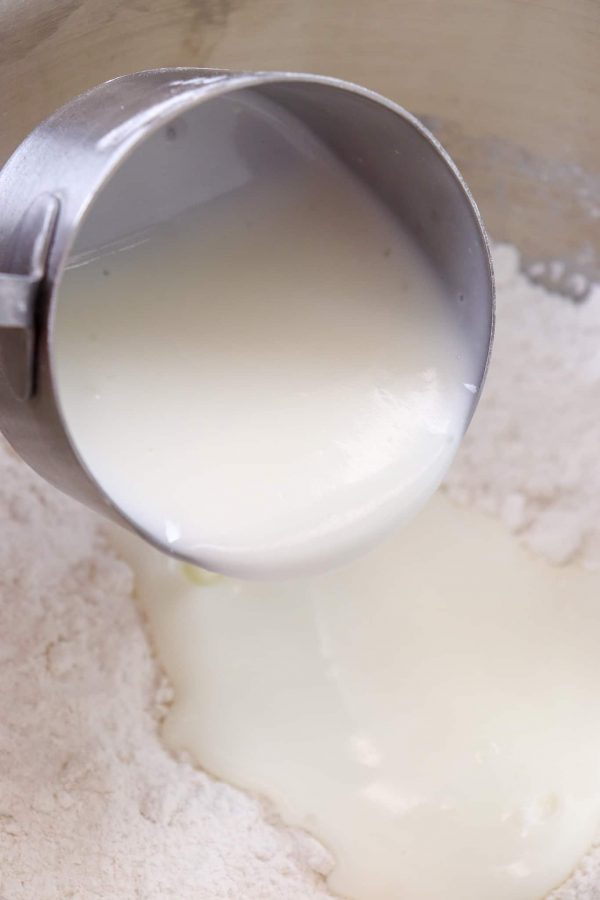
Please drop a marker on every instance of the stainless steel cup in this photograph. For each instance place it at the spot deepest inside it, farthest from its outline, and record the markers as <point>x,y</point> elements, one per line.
<point>57,178</point>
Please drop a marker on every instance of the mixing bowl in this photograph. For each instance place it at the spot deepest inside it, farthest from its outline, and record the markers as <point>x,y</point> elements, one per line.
<point>510,87</point>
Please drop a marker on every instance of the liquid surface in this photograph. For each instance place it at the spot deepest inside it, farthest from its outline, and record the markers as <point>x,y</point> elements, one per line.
<point>427,712</point>
<point>271,380</point>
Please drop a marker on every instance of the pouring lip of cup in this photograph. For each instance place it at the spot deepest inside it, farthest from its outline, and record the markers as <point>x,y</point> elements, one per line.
<point>47,188</point>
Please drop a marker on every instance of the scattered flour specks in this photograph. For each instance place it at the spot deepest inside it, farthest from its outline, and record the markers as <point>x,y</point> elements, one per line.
<point>531,454</point>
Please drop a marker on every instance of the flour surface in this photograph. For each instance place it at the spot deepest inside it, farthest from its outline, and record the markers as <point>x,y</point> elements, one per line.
<point>531,453</point>
<point>91,805</point>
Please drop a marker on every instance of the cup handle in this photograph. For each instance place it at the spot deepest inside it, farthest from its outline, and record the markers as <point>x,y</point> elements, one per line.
<point>19,292</point>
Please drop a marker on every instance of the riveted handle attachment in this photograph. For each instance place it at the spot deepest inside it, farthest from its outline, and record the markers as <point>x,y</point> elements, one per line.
<point>19,292</point>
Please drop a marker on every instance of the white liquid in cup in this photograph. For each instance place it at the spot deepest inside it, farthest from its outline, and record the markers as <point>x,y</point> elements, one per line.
<point>272,379</point>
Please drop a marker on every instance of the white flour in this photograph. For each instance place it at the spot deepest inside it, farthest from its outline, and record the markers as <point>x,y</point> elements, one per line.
<point>91,805</point>
<point>531,455</point>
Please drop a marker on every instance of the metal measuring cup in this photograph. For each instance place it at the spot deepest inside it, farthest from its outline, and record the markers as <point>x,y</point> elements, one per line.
<point>54,180</point>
